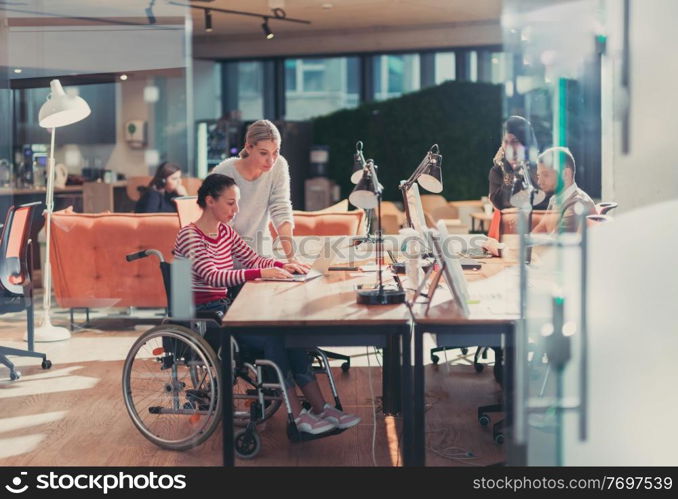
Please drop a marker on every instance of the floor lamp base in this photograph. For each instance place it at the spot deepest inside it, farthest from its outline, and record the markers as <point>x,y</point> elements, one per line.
<point>47,332</point>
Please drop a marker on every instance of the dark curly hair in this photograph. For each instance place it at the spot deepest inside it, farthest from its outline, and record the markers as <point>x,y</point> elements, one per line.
<point>213,185</point>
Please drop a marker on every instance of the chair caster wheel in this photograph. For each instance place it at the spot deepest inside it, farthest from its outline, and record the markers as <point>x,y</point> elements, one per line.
<point>14,375</point>
<point>499,438</point>
<point>345,367</point>
<point>435,359</point>
<point>46,364</point>
<point>247,444</point>
<point>484,420</point>
<point>478,367</point>
<point>464,350</point>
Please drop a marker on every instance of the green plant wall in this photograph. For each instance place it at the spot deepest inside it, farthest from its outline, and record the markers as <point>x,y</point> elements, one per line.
<point>463,118</point>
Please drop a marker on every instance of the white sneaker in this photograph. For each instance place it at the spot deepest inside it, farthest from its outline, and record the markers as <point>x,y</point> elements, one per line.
<point>310,423</point>
<point>342,420</point>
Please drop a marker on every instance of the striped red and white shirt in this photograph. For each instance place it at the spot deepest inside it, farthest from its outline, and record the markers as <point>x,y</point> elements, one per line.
<point>212,261</point>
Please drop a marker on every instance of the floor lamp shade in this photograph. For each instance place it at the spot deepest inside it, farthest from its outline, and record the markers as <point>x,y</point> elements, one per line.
<point>59,110</point>
<point>62,109</point>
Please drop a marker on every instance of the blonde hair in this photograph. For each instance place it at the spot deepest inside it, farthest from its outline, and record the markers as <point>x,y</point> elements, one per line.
<point>257,131</point>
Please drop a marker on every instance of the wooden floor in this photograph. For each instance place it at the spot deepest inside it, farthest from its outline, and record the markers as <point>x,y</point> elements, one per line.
<point>74,415</point>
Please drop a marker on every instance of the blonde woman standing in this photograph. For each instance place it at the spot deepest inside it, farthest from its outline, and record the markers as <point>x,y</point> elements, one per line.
<point>264,179</point>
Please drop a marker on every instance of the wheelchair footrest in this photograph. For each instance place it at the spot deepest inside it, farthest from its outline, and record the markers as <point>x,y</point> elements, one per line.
<point>297,436</point>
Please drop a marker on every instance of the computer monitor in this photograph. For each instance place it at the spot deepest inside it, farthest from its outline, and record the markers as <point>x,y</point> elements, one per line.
<point>451,267</point>
<point>414,210</point>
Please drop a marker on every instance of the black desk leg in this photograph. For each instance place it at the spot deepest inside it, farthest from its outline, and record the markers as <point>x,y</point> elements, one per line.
<point>227,397</point>
<point>419,394</point>
<point>391,402</point>
<point>408,406</point>
<point>516,454</point>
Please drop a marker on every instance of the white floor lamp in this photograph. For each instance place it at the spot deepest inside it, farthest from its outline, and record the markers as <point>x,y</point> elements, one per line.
<point>59,110</point>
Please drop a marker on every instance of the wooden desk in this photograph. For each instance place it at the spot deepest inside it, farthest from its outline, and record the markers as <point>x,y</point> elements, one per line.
<point>320,312</point>
<point>483,326</point>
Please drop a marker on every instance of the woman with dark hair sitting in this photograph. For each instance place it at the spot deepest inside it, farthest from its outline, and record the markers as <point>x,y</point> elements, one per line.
<point>211,245</point>
<point>164,186</point>
<point>518,149</point>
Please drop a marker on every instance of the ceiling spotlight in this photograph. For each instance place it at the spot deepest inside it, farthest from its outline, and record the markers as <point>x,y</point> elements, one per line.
<point>208,20</point>
<point>267,31</point>
<point>123,77</point>
<point>18,70</point>
<point>149,13</point>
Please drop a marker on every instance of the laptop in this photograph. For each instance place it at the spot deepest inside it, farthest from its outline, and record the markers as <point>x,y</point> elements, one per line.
<point>319,268</point>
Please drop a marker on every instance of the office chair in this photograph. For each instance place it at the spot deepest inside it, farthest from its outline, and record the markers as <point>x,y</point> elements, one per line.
<point>16,286</point>
<point>605,207</point>
<point>187,209</point>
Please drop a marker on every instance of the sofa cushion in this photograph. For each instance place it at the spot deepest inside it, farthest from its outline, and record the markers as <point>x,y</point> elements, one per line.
<point>339,223</point>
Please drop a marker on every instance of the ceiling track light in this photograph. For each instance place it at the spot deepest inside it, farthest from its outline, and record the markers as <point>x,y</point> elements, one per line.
<point>267,30</point>
<point>278,14</point>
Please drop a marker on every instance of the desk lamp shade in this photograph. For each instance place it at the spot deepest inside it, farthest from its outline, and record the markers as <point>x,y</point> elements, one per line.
<point>62,109</point>
<point>363,195</point>
<point>432,179</point>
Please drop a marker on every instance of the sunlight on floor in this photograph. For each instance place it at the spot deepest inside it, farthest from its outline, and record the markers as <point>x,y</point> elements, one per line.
<point>20,445</point>
<point>20,422</point>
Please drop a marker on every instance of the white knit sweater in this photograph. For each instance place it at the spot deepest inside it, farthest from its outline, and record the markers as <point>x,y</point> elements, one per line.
<point>266,198</point>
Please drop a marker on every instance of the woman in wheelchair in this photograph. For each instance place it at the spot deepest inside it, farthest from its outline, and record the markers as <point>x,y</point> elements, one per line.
<point>211,245</point>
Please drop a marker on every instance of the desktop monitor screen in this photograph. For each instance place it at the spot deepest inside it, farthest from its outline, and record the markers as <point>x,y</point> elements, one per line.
<point>414,209</point>
<point>452,271</point>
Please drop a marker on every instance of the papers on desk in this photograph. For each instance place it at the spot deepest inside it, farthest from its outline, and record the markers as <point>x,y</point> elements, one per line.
<point>496,295</point>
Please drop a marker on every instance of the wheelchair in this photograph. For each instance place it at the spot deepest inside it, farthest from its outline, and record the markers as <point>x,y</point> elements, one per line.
<point>171,383</point>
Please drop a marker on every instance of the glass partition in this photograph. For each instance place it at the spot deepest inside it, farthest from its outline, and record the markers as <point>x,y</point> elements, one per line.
<point>130,62</point>
<point>552,78</point>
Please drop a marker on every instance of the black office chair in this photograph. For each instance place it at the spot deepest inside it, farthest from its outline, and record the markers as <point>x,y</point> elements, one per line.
<point>484,410</point>
<point>605,207</point>
<point>16,285</point>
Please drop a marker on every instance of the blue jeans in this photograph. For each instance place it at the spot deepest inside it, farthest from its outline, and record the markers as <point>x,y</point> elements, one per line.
<point>295,363</point>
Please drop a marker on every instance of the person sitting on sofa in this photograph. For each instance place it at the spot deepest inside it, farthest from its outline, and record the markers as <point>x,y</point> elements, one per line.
<point>211,245</point>
<point>164,186</point>
<point>561,213</point>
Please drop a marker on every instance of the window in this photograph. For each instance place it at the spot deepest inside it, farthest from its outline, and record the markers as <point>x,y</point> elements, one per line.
<point>317,86</point>
<point>250,98</point>
<point>500,69</point>
<point>445,67</point>
<point>472,65</point>
<point>395,75</point>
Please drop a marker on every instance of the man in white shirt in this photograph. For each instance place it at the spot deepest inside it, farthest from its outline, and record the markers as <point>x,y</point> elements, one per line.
<point>555,173</point>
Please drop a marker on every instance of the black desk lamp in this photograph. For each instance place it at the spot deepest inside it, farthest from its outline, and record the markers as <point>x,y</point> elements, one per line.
<point>429,175</point>
<point>367,195</point>
<point>356,176</point>
<point>527,197</point>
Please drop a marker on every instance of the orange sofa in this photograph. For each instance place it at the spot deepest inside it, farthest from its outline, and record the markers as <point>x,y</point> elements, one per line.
<point>322,223</point>
<point>88,258</point>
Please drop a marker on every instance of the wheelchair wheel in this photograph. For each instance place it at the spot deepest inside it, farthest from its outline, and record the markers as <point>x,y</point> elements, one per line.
<point>244,393</point>
<point>247,444</point>
<point>171,387</point>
